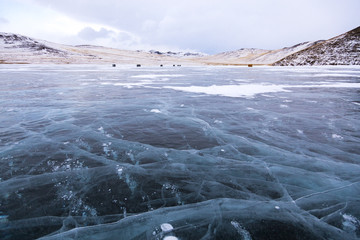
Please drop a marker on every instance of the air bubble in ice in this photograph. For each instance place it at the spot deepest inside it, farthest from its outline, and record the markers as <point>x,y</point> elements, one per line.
<point>170,238</point>
<point>166,227</point>
<point>132,184</point>
<point>124,212</point>
<point>119,171</point>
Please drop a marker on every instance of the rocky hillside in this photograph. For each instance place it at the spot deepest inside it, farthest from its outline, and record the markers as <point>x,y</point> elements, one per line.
<point>340,50</point>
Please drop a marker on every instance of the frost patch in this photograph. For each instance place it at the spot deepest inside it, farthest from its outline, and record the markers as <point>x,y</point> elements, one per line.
<point>337,137</point>
<point>101,130</point>
<point>3,218</point>
<point>350,223</point>
<point>241,230</point>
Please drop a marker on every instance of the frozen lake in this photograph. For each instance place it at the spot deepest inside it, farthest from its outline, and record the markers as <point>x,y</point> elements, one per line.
<point>95,152</point>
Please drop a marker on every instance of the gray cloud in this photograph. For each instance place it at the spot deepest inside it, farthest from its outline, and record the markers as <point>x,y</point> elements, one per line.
<point>89,33</point>
<point>106,37</point>
<point>217,25</point>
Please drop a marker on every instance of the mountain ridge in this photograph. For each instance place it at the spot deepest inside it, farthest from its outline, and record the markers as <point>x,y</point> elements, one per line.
<point>340,50</point>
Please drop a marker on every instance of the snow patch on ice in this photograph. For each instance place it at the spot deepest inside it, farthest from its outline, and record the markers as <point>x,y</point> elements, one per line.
<point>127,85</point>
<point>334,75</point>
<point>246,90</point>
<point>242,80</point>
<point>336,85</point>
<point>155,110</point>
<point>250,90</point>
<point>153,76</point>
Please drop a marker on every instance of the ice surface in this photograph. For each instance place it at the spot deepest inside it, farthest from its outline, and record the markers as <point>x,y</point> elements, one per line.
<point>89,152</point>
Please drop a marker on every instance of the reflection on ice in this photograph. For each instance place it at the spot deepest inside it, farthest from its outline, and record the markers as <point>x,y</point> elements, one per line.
<point>131,156</point>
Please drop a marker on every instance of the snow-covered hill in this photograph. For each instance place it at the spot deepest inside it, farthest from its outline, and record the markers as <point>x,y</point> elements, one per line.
<point>15,48</point>
<point>340,50</point>
<point>276,55</point>
<point>256,56</point>
<point>241,56</point>
<point>178,54</point>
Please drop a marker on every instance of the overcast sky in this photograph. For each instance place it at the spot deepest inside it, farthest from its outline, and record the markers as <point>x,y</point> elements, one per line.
<point>209,26</point>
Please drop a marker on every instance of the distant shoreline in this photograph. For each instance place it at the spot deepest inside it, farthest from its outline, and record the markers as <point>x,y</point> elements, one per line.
<point>340,50</point>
